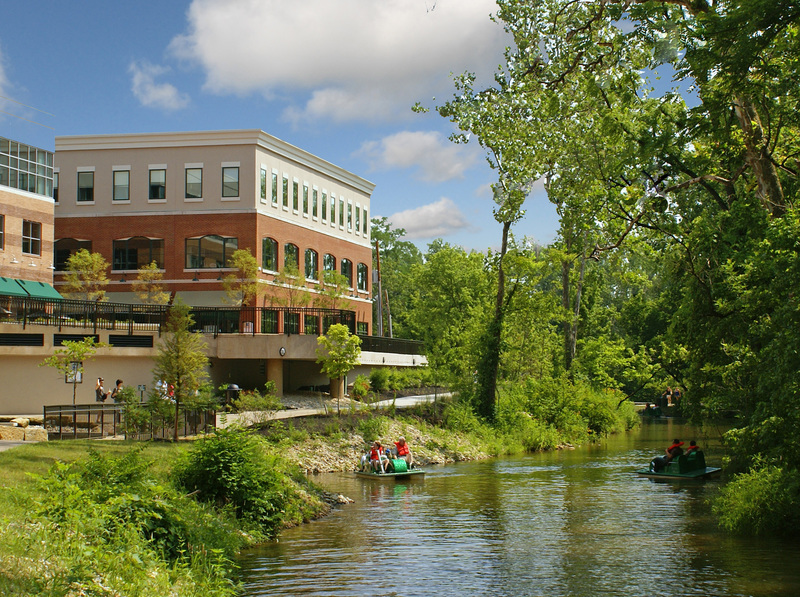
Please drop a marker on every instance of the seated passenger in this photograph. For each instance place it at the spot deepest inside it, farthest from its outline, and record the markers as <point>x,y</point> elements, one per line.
<point>377,458</point>
<point>403,451</point>
<point>659,463</point>
<point>693,448</point>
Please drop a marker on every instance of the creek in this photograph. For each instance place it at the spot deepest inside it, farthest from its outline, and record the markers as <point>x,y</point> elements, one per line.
<point>569,522</point>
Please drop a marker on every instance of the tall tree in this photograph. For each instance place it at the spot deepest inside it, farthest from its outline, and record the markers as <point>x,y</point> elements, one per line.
<point>338,352</point>
<point>242,286</point>
<point>86,276</point>
<point>181,359</point>
<point>149,286</point>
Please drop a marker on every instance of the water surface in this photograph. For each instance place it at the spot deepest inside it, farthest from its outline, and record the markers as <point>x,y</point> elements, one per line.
<point>570,522</point>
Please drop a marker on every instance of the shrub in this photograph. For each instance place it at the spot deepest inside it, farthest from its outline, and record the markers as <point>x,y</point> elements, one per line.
<point>373,428</point>
<point>360,387</point>
<point>378,379</point>
<point>459,416</point>
<point>232,468</point>
<point>760,502</point>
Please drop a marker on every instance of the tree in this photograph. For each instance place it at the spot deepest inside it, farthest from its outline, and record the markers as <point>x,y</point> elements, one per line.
<point>86,276</point>
<point>333,294</point>
<point>242,286</point>
<point>338,351</point>
<point>295,293</point>
<point>149,287</point>
<point>181,360</point>
<point>69,359</point>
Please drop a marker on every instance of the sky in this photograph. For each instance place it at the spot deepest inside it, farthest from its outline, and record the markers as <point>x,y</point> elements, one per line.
<point>337,78</point>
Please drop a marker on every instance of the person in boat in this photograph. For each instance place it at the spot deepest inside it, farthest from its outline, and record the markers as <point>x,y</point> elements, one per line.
<point>402,450</point>
<point>693,447</point>
<point>377,458</point>
<point>660,462</point>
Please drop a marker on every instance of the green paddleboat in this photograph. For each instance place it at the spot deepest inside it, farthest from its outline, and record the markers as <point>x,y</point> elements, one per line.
<point>401,471</point>
<point>692,466</point>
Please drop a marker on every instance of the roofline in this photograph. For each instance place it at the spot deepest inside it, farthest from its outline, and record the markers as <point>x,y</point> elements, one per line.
<point>200,138</point>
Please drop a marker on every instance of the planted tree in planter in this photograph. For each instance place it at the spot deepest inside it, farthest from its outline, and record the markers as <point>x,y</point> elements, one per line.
<point>338,352</point>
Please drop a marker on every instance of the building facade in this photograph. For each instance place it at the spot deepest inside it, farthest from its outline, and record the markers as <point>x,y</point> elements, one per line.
<point>26,219</point>
<point>187,201</point>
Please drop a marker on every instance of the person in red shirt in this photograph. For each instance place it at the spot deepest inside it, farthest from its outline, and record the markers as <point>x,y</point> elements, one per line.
<point>403,451</point>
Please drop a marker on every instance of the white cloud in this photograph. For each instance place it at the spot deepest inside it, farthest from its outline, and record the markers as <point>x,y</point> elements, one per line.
<point>430,221</point>
<point>437,158</point>
<point>355,59</point>
<point>153,94</point>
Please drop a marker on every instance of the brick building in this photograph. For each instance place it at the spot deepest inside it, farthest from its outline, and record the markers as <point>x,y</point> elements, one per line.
<point>189,200</point>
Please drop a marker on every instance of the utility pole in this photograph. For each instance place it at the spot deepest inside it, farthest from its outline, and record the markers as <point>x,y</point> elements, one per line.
<point>380,289</point>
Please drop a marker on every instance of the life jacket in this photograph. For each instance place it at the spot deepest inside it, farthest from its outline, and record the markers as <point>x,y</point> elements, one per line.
<point>402,449</point>
<point>691,449</point>
<point>374,453</point>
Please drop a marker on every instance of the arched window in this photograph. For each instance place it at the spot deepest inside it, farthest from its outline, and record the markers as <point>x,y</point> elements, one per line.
<point>329,263</point>
<point>210,252</point>
<point>362,276</point>
<point>138,251</point>
<point>312,265</point>
<point>291,255</point>
<point>67,246</point>
<point>347,271</point>
<point>269,254</point>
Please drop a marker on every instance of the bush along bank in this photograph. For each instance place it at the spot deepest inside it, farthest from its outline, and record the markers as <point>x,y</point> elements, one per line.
<point>106,525</point>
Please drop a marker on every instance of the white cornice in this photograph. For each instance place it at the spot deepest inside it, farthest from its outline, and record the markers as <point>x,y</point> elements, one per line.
<point>214,138</point>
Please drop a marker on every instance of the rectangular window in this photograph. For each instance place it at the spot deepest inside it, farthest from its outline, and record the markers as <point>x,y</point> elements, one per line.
<point>263,185</point>
<point>285,190</point>
<point>158,184</point>
<point>55,187</point>
<point>122,185</point>
<point>333,209</point>
<point>324,206</point>
<point>230,181</point>
<point>210,252</point>
<point>358,219</point>
<point>275,188</point>
<point>295,195</point>
<point>31,238</point>
<point>341,213</point>
<point>366,223</point>
<point>314,203</point>
<point>349,216</point>
<point>269,254</point>
<point>305,199</point>
<point>137,252</point>
<point>85,186</point>
<point>2,231</point>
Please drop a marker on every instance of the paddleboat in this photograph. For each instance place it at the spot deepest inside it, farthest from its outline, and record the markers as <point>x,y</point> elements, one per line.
<point>692,466</point>
<point>399,470</point>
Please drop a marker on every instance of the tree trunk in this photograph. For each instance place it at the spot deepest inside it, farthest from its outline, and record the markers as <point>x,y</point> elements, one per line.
<point>490,364</point>
<point>758,157</point>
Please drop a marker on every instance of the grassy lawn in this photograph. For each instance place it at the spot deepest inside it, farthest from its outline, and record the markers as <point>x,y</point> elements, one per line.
<point>36,458</point>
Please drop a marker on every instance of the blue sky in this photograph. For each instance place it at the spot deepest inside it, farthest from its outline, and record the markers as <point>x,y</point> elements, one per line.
<point>334,77</point>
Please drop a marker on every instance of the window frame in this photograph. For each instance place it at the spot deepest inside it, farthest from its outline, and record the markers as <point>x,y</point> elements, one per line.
<point>86,192</point>
<point>115,186</point>
<point>228,187</point>
<point>32,238</point>
<point>229,245</point>
<point>291,248</point>
<point>151,185</point>
<point>186,183</point>
<point>362,273</point>
<point>346,264</point>
<point>268,241</point>
<point>154,246</point>
<point>311,259</point>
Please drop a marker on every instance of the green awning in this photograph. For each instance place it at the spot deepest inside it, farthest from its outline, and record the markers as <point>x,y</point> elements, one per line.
<point>9,286</point>
<point>39,290</point>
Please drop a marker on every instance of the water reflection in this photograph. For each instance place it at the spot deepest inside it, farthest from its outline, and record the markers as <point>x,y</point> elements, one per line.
<point>573,522</point>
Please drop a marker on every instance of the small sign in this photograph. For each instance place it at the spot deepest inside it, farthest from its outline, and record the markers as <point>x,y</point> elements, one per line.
<point>141,387</point>
<point>75,375</point>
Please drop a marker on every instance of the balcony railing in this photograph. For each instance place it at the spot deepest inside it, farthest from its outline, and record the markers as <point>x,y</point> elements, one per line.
<point>96,316</point>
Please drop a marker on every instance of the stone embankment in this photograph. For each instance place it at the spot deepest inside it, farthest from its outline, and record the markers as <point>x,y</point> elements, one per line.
<point>21,429</point>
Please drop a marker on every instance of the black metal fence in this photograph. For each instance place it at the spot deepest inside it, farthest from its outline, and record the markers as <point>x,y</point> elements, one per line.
<point>94,315</point>
<point>95,421</point>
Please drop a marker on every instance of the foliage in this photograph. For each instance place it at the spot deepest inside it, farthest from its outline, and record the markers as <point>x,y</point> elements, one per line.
<point>258,405</point>
<point>338,351</point>
<point>149,286</point>
<point>232,468</point>
<point>333,291</point>
<point>242,286</point>
<point>361,387</point>
<point>292,281</point>
<point>86,276</point>
<point>761,502</point>
<point>379,379</point>
<point>181,359</point>
<point>69,360</point>
<point>373,428</point>
<point>107,519</point>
